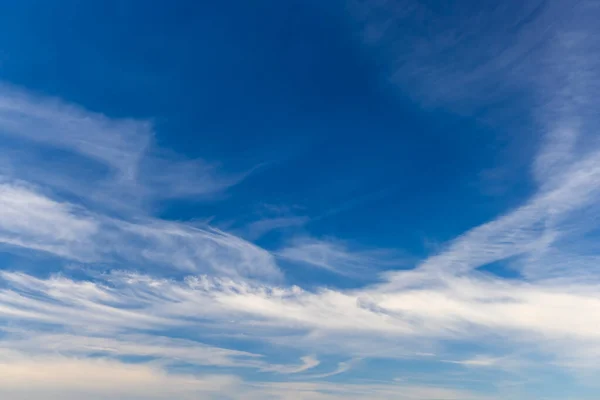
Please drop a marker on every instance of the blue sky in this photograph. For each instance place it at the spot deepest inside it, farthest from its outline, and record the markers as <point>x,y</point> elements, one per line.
<point>299,200</point>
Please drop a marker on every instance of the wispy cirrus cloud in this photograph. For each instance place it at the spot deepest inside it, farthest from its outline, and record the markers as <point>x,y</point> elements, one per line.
<point>379,391</point>
<point>338,257</point>
<point>546,51</point>
<point>66,206</point>
<point>118,144</point>
<point>342,367</point>
<point>123,166</point>
<point>308,362</point>
<point>466,58</point>
<point>94,327</point>
<point>59,377</point>
<point>164,350</point>
<point>434,308</point>
<point>97,322</point>
<point>259,228</point>
<point>31,220</point>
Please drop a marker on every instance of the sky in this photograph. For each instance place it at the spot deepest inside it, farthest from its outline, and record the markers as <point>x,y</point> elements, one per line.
<point>300,199</point>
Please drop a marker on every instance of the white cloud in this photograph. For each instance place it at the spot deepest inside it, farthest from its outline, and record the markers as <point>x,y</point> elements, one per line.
<point>32,220</point>
<point>478,361</point>
<point>112,163</point>
<point>188,248</point>
<point>365,391</point>
<point>308,362</point>
<point>443,299</point>
<point>165,350</point>
<point>440,309</point>
<point>554,312</point>
<point>107,166</point>
<point>24,377</point>
<point>29,219</point>
<point>117,143</point>
<point>540,225</point>
<point>261,227</point>
<point>336,256</point>
<point>156,350</point>
<point>341,368</point>
<point>32,378</point>
<point>467,58</point>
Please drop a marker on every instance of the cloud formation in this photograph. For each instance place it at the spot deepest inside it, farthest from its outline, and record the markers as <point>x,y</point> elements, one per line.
<point>337,257</point>
<point>32,220</point>
<point>142,313</point>
<point>110,163</point>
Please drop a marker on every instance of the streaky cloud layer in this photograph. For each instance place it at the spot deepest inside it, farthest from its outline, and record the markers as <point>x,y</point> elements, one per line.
<point>106,292</point>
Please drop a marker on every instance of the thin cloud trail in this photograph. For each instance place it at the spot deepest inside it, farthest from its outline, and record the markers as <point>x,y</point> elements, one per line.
<point>113,164</point>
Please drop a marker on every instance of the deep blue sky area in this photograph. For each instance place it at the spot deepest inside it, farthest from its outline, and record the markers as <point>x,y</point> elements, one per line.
<point>289,87</point>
